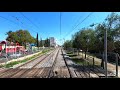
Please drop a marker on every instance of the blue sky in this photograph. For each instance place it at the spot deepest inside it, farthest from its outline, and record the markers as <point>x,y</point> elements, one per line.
<point>48,23</point>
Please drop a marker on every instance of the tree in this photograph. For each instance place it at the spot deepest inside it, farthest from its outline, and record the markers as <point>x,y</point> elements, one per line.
<point>20,36</point>
<point>99,38</point>
<point>41,44</point>
<point>37,42</point>
<point>47,43</point>
<point>117,47</point>
<point>76,41</point>
<point>84,39</point>
<point>67,44</point>
<point>113,28</point>
<point>87,39</point>
<point>112,25</point>
<point>10,36</point>
<point>92,40</point>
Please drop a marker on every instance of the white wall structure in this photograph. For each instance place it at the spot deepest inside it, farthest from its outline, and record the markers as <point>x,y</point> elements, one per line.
<point>52,42</point>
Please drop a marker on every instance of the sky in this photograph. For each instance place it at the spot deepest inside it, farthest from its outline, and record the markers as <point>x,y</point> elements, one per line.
<point>47,24</point>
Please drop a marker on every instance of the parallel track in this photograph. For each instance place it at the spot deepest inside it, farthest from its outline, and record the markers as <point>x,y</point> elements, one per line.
<point>51,70</point>
<point>33,67</point>
<point>18,70</point>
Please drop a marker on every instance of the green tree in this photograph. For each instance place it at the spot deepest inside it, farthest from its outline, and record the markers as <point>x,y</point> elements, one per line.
<point>20,36</point>
<point>99,40</point>
<point>113,29</point>
<point>92,40</point>
<point>47,43</point>
<point>84,39</point>
<point>67,44</point>
<point>112,25</point>
<point>41,43</point>
<point>87,39</point>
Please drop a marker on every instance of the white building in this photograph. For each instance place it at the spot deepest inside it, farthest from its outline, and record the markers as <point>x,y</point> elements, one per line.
<point>52,42</point>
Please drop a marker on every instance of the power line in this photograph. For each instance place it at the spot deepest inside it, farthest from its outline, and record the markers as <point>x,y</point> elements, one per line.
<point>83,20</point>
<point>77,21</point>
<point>75,24</point>
<point>23,24</point>
<point>79,24</point>
<point>9,20</point>
<point>29,21</point>
<point>17,19</point>
<point>33,24</point>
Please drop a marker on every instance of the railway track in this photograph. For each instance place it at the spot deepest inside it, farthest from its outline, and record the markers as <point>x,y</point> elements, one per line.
<point>52,65</point>
<point>35,62</point>
<point>58,67</point>
<point>25,67</point>
<point>51,74</point>
<point>33,67</point>
<point>47,68</point>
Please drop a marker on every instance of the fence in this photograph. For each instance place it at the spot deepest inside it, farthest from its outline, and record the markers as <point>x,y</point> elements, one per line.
<point>9,56</point>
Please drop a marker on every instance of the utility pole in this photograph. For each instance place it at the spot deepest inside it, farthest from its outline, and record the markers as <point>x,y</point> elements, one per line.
<point>37,41</point>
<point>105,49</point>
<point>117,55</point>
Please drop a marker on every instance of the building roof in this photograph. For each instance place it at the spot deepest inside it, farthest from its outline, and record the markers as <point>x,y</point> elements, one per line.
<point>3,42</point>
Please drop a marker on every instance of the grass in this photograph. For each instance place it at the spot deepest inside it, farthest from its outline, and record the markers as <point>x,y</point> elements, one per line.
<point>78,61</point>
<point>69,52</point>
<point>44,51</point>
<point>71,55</point>
<point>90,54</point>
<point>82,62</point>
<point>11,64</point>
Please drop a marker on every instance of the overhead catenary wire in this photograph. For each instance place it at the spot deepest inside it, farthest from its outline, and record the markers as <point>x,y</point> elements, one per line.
<point>9,20</point>
<point>17,19</point>
<point>13,21</point>
<point>23,24</point>
<point>79,24</point>
<point>77,21</point>
<point>32,30</point>
<point>29,21</point>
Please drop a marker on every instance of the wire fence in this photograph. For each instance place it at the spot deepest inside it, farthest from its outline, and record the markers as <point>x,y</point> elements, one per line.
<point>10,56</point>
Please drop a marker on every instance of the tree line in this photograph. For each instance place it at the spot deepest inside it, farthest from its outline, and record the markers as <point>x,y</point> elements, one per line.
<point>92,39</point>
<point>23,37</point>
